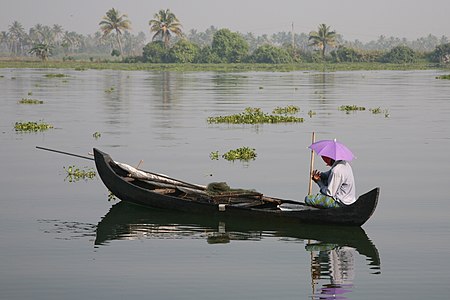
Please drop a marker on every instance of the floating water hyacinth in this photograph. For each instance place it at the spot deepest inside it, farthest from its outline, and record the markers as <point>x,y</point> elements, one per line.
<point>214,155</point>
<point>378,110</point>
<point>349,108</point>
<point>290,109</point>
<point>443,77</point>
<point>75,174</point>
<point>32,126</point>
<point>254,116</point>
<point>57,75</point>
<point>30,101</point>
<point>243,153</point>
<point>311,113</point>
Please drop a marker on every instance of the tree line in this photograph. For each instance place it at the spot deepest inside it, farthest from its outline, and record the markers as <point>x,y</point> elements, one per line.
<point>169,44</point>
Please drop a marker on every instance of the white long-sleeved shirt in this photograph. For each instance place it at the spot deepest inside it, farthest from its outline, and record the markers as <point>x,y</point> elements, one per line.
<point>339,183</point>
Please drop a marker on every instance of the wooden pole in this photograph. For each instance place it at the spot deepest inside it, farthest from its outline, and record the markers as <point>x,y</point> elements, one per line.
<point>65,153</point>
<point>311,165</point>
<point>155,174</point>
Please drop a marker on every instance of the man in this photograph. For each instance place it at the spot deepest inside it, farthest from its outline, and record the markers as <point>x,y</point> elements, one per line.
<point>337,185</point>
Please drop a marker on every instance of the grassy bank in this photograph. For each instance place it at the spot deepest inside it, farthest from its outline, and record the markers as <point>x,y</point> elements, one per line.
<point>85,65</point>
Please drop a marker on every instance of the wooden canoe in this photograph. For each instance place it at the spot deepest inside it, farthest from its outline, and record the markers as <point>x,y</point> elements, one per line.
<point>159,191</point>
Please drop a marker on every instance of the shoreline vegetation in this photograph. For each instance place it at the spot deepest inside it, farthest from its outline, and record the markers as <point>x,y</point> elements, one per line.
<point>222,67</point>
<point>222,50</point>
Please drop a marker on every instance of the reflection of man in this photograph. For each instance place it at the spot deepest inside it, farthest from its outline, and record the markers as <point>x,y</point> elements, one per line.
<point>342,263</point>
<point>335,263</point>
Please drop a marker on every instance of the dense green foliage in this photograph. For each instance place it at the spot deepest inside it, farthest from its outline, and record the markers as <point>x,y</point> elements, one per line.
<point>230,47</point>
<point>207,56</point>
<point>345,54</point>
<point>397,55</point>
<point>270,54</point>
<point>183,52</point>
<point>441,54</point>
<point>400,55</point>
<point>154,52</point>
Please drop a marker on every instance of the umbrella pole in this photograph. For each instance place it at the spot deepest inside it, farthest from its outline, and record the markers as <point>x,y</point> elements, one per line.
<point>311,164</point>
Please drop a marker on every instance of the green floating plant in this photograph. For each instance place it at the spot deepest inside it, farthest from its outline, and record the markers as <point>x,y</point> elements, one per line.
<point>32,126</point>
<point>443,77</point>
<point>253,116</point>
<point>214,155</point>
<point>243,153</point>
<point>75,174</point>
<point>56,75</point>
<point>378,110</point>
<point>290,109</point>
<point>311,113</point>
<point>349,108</point>
<point>30,101</point>
<point>96,135</point>
<point>110,90</point>
<point>111,196</point>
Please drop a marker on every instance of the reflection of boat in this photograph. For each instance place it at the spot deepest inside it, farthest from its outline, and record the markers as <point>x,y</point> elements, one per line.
<point>159,191</point>
<point>125,221</point>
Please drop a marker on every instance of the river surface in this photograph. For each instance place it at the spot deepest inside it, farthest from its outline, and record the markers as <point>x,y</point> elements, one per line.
<point>65,239</point>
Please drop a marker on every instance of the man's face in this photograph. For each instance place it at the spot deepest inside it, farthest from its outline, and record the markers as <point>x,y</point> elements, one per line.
<point>327,160</point>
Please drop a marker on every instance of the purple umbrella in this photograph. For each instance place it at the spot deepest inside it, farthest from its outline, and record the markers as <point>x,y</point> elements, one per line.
<point>332,149</point>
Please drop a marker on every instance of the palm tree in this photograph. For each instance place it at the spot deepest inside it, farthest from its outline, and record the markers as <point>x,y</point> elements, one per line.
<point>47,35</point>
<point>16,35</point>
<point>323,38</point>
<point>42,50</point>
<point>114,21</point>
<point>69,41</point>
<point>164,24</point>
<point>58,33</point>
<point>3,37</point>
<point>36,33</point>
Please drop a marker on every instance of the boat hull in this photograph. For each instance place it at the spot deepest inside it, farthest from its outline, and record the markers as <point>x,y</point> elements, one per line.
<point>353,215</point>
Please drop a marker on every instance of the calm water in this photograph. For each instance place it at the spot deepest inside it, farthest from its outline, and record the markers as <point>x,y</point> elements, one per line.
<point>65,240</point>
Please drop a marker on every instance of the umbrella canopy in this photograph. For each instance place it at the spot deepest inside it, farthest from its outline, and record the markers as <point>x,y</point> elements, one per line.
<point>332,149</point>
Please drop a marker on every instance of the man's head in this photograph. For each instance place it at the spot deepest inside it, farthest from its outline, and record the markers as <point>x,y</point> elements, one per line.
<point>329,161</point>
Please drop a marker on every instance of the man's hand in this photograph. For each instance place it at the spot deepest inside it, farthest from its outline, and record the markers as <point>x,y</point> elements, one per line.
<point>315,175</point>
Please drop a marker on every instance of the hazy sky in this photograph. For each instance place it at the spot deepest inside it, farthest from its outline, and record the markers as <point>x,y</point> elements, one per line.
<point>354,19</point>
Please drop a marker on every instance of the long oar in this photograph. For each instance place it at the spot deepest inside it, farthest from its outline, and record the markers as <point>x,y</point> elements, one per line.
<point>311,165</point>
<point>156,174</point>
<point>66,153</point>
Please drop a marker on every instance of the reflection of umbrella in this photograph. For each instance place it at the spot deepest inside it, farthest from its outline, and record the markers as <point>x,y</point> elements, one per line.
<point>332,149</point>
<point>334,291</point>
